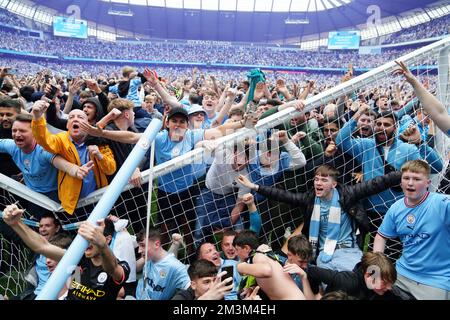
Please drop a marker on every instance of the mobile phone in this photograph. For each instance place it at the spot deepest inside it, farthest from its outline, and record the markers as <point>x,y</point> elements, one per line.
<point>52,92</point>
<point>229,274</point>
<point>251,107</point>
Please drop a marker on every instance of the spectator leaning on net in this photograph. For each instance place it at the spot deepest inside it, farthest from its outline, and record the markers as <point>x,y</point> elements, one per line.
<point>165,273</point>
<point>102,275</point>
<point>302,131</point>
<point>71,146</point>
<point>219,199</point>
<point>332,155</point>
<point>385,152</point>
<point>269,167</point>
<point>365,124</point>
<point>37,165</point>
<point>332,214</point>
<point>174,189</point>
<point>422,221</point>
<point>433,106</point>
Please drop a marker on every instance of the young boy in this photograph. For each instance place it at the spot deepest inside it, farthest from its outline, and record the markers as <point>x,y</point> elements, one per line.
<point>422,221</point>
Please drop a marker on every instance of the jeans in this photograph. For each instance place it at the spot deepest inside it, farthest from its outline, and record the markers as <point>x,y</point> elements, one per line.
<point>343,259</point>
<point>213,211</point>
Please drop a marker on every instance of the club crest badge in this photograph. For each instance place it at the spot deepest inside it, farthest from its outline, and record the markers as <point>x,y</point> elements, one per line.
<point>102,277</point>
<point>410,219</point>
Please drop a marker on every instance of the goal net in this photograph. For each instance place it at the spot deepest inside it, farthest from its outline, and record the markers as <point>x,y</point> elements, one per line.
<point>195,194</point>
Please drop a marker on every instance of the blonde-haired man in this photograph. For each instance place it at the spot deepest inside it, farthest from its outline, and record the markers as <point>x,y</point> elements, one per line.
<point>422,221</point>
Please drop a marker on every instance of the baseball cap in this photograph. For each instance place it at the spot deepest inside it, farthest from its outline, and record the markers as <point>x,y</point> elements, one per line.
<point>178,111</point>
<point>196,108</point>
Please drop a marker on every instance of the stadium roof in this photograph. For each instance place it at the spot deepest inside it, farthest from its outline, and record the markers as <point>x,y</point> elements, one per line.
<point>233,20</point>
<point>241,5</point>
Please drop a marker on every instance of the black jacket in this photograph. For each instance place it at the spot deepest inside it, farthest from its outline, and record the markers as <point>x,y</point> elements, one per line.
<point>182,294</point>
<point>59,123</point>
<point>349,197</point>
<point>351,282</point>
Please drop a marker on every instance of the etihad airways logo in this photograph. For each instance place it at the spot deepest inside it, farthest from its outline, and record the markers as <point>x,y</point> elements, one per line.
<point>86,293</point>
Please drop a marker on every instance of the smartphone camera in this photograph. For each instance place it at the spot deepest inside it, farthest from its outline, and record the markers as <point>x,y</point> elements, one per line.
<point>229,273</point>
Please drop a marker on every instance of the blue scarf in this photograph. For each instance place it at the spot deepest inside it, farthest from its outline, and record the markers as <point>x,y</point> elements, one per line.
<point>333,228</point>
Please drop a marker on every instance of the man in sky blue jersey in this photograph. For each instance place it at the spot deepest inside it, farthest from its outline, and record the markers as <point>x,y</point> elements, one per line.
<point>165,273</point>
<point>386,151</point>
<point>39,167</point>
<point>208,251</point>
<point>422,221</point>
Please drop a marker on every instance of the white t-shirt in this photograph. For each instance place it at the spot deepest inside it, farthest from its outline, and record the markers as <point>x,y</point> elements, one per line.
<point>386,152</point>
<point>221,176</point>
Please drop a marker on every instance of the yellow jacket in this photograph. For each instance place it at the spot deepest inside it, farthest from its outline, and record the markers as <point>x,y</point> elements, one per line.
<point>69,188</point>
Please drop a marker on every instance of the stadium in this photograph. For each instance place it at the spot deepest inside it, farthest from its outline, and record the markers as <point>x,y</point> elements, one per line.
<point>300,146</point>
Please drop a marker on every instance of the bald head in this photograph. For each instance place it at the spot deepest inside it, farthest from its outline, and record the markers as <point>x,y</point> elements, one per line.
<point>73,125</point>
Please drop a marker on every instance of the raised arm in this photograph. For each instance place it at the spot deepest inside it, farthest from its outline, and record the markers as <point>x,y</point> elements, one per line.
<point>345,141</point>
<point>115,135</point>
<point>75,86</point>
<point>230,95</point>
<point>281,195</point>
<point>43,136</point>
<point>104,101</point>
<point>255,217</point>
<point>12,216</point>
<point>297,158</point>
<point>94,235</point>
<point>373,186</point>
<point>165,96</point>
<point>241,105</point>
<point>177,241</point>
<point>223,130</point>
<point>433,106</point>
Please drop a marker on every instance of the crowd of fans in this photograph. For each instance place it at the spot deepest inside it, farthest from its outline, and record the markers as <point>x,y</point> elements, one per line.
<point>10,19</point>
<point>194,53</point>
<point>434,28</point>
<point>289,207</point>
<point>66,137</point>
